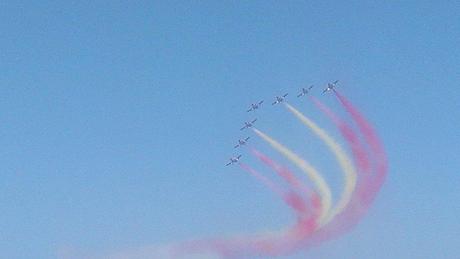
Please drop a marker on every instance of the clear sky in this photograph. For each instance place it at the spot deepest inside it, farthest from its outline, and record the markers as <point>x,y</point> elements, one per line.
<point>117,119</point>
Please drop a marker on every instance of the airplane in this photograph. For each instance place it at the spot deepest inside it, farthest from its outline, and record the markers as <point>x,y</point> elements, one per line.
<point>279,99</point>
<point>330,86</point>
<point>255,106</point>
<point>305,91</point>
<point>248,124</point>
<point>234,160</point>
<point>242,142</point>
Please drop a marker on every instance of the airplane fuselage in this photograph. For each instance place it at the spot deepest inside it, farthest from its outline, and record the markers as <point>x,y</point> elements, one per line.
<point>278,100</point>
<point>330,86</point>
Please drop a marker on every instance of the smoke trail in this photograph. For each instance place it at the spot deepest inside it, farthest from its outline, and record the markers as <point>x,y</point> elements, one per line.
<point>262,244</point>
<point>264,180</point>
<point>288,176</point>
<point>359,153</point>
<point>321,185</point>
<point>373,141</point>
<point>341,157</point>
<point>291,198</point>
<point>357,207</point>
<point>310,229</point>
<point>282,171</point>
<point>274,243</point>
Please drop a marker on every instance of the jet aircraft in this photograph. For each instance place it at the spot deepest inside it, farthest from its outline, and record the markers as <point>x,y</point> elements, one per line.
<point>255,106</point>
<point>242,142</point>
<point>248,124</point>
<point>331,86</point>
<point>233,160</point>
<point>305,91</point>
<point>279,99</point>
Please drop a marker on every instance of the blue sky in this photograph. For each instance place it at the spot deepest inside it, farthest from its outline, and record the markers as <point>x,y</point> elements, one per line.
<point>117,119</point>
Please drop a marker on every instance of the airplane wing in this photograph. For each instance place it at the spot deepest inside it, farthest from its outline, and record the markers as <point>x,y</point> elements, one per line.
<point>311,86</point>
<point>254,120</point>
<point>261,102</point>
<point>249,110</point>
<point>243,128</point>
<point>325,90</point>
<point>285,95</point>
<point>239,156</point>
<point>246,139</point>
<point>335,82</point>
<point>228,164</point>
<point>237,146</point>
<point>299,95</point>
<point>275,103</point>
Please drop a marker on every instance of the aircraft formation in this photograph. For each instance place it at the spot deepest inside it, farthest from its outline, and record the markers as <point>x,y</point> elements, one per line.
<point>278,99</point>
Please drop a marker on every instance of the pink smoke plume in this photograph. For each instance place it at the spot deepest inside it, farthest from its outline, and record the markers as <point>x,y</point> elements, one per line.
<point>370,136</point>
<point>285,173</point>
<point>305,233</point>
<point>357,207</point>
<point>371,169</point>
<point>368,184</point>
<point>274,244</point>
<point>371,163</point>
<point>291,198</point>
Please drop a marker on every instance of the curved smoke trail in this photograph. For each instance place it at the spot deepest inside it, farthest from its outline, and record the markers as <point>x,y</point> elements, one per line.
<point>273,243</point>
<point>306,233</point>
<point>264,180</point>
<point>370,136</point>
<point>283,172</point>
<point>291,198</point>
<point>321,185</point>
<point>357,207</point>
<point>360,156</point>
<point>323,222</point>
<point>341,157</point>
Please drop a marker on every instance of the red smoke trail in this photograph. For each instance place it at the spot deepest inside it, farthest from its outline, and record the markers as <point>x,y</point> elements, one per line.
<point>305,233</point>
<point>277,244</point>
<point>361,158</point>
<point>272,244</point>
<point>291,198</point>
<point>357,207</point>
<point>264,180</point>
<point>370,136</point>
<point>307,223</point>
<point>369,185</point>
<point>306,227</point>
<point>287,175</point>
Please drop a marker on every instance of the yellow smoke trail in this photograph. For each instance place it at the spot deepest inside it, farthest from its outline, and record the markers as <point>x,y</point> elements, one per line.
<point>341,157</point>
<point>312,173</point>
